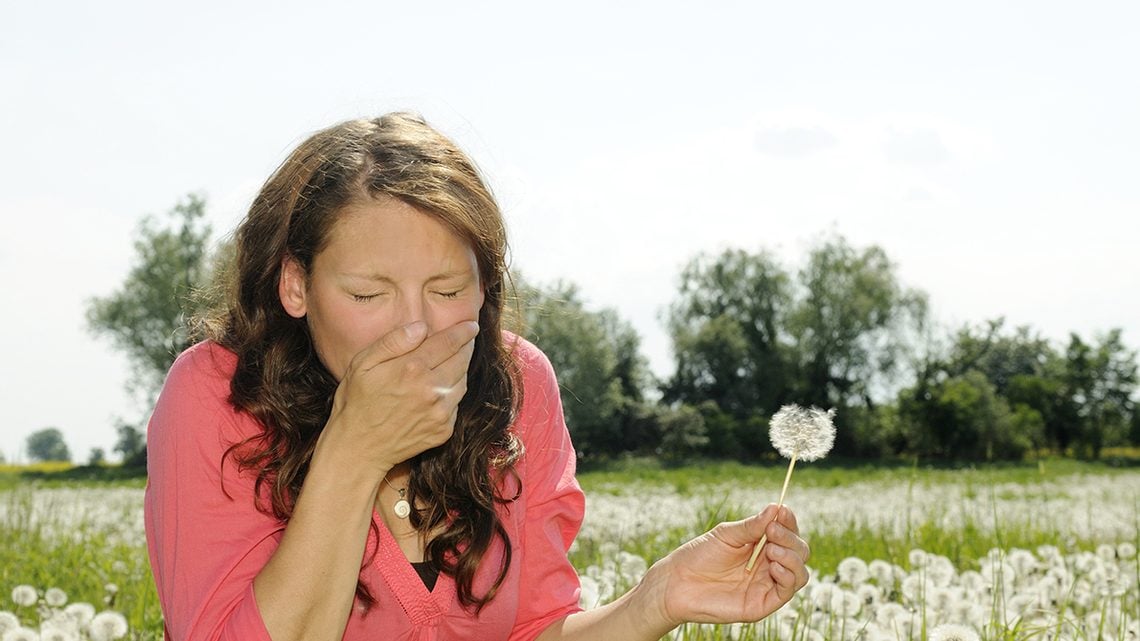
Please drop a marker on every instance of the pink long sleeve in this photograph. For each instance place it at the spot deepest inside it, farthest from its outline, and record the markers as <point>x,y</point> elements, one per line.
<point>205,547</point>
<point>555,506</point>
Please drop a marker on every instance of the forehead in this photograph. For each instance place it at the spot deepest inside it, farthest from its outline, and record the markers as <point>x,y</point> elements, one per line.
<point>389,234</point>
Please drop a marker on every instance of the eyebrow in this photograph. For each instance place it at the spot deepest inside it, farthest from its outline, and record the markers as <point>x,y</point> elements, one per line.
<point>381,278</point>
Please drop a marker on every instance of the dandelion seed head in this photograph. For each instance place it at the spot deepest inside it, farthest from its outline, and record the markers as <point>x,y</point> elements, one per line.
<point>804,434</point>
<point>24,595</point>
<point>21,634</point>
<point>869,594</point>
<point>80,612</point>
<point>940,569</point>
<point>953,632</point>
<point>852,571</point>
<point>55,597</point>
<point>8,621</point>
<point>1126,550</point>
<point>107,625</point>
<point>56,633</point>
<point>882,572</point>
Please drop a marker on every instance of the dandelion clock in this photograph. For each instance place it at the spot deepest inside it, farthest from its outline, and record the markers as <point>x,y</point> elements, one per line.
<point>798,434</point>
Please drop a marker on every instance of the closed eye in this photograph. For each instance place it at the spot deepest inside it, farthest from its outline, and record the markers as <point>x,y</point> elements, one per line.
<point>454,294</point>
<point>363,298</point>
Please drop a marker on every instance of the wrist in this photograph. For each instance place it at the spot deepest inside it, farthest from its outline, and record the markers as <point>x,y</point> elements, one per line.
<point>650,599</point>
<point>341,461</point>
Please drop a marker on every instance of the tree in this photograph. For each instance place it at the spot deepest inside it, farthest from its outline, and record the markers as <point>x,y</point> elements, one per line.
<point>96,456</point>
<point>1024,368</point>
<point>749,339</point>
<point>601,374</point>
<point>1100,381</point>
<point>851,329</point>
<point>147,317</point>
<point>728,332</point>
<point>963,417</point>
<point>47,445</point>
<point>131,444</point>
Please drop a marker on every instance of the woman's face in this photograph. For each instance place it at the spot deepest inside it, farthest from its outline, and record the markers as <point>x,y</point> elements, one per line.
<point>385,265</point>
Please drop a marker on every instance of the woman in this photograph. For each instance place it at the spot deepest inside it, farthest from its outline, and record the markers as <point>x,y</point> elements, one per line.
<point>360,452</point>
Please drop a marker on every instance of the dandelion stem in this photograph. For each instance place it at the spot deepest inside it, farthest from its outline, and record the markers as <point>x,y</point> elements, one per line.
<point>764,539</point>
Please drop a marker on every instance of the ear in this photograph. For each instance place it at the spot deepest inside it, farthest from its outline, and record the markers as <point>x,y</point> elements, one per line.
<point>291,287</point>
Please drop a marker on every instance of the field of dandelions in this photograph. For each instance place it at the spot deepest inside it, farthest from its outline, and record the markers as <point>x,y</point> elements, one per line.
<point>1042,551</point>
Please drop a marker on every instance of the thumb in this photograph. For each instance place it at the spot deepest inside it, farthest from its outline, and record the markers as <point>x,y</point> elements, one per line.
<point>747,531</point>
<point>394,344</point>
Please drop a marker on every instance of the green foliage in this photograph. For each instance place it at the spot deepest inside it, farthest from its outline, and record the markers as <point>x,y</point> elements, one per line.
<point>683,434</point>
<point>47,445</point>
<point>147,317</point>
<point>131,445</point>
<point>1100,382</point>
<point>963,417</point>
<point>728,328</point>
<point>1026,395</point>
<point>601,374</point>
<point>851,328</point>
<point>748,339</point>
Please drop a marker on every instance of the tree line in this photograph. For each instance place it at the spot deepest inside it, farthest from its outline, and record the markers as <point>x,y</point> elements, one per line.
<point>749,334</point>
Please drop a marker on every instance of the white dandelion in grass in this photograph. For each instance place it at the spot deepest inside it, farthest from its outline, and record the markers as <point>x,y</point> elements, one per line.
<point>107,625</point>
<point>8,621</point>
<point>24,595</point>
<point>21,634</point>
<point>80,612</point>
<point>55,597</point>
<point>57,633</point>
<point>953,632</point>
<point>798,434</point>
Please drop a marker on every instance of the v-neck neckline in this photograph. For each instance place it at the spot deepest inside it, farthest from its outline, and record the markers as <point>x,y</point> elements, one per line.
<point>422,607</point>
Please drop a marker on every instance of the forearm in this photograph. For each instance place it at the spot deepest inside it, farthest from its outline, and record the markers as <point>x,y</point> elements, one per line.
<point>637,615</point>
<point>306,590</point>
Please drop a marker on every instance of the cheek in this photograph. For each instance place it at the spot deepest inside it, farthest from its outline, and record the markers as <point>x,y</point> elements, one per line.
<point>340,333</point>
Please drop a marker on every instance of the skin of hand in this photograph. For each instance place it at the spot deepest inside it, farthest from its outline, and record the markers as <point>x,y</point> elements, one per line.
<point>706,580</point>
<point>400,395</point>
<point>703,581</point>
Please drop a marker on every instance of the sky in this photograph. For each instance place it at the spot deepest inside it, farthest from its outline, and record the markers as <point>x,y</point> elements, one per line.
<point>991,149</point>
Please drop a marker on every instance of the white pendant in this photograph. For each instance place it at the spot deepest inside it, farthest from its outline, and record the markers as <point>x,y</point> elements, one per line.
<point>402,508</point>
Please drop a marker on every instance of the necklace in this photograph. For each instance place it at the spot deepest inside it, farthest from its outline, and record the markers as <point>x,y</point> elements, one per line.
<point>401,507</point>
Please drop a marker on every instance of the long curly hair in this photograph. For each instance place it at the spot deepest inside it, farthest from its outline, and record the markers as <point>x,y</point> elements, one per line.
<point>280,380</point>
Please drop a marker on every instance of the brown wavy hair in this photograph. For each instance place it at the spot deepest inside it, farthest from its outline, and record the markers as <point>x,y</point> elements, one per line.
<point>281,381</point>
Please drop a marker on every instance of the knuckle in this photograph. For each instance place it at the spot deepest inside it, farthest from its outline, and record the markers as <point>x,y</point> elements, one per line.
<point>412,368</point>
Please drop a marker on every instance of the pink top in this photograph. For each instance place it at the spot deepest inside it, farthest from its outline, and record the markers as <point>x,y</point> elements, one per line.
<point>207,545</point>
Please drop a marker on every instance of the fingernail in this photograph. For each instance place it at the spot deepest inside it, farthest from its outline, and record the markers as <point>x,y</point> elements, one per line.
<point>415,330</point>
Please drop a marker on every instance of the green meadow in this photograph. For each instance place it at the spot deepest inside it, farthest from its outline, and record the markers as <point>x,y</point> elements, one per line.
<point>80,530</point>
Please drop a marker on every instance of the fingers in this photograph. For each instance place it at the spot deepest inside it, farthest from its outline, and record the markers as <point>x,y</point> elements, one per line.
<point>788,572</point>
<point>394,344</point>
<point>787,552</point>
<point>430,351</point>
<point>748,531</point>
<point>441,347</point>
<point>784,532</point>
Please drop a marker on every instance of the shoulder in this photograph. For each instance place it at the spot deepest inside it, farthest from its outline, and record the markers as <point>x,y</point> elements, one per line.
<point>197,389</point>
<point>540,412</point>
<point>533,364</point>
<point>204,369</point>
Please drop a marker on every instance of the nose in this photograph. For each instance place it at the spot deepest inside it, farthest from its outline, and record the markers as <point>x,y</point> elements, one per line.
<point>413,308</point>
